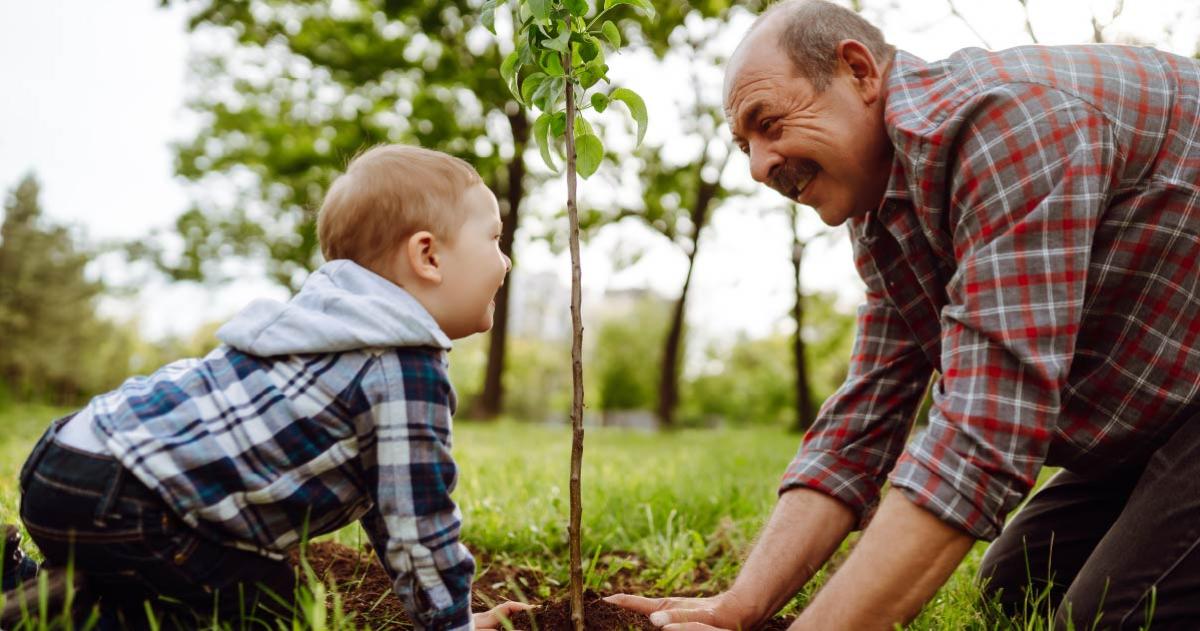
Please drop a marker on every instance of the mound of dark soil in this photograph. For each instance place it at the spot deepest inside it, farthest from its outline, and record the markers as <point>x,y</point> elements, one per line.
<point>366,592</point>
<point>597,616</point>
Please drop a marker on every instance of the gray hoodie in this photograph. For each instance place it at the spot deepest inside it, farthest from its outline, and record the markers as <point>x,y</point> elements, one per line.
<point>342,307</point>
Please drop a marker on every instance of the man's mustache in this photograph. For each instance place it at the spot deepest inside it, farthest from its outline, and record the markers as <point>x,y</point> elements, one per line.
<point>792,175</point>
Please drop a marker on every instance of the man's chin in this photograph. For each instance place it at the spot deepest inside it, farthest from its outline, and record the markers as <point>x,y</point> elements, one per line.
<point>832,217</point>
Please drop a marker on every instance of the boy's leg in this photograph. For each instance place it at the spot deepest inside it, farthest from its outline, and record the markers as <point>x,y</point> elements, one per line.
<point>1150,558</point>
<point>1029,567</point>
<point>87,511</point>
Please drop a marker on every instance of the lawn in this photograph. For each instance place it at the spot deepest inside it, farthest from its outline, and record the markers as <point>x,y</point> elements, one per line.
<point>669,513</point>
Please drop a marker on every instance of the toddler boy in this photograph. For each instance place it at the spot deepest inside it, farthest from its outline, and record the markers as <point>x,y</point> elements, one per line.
<point>193,483</point>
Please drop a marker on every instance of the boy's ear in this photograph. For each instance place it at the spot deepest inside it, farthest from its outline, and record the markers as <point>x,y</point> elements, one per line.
<point>423,256</point>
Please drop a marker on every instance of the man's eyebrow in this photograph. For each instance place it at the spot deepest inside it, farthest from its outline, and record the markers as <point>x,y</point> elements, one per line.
<point>748,115</point>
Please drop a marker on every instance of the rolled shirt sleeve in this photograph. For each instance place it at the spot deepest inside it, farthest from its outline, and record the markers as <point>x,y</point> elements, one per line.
<point>1030,181</point>
<point>414,525</point>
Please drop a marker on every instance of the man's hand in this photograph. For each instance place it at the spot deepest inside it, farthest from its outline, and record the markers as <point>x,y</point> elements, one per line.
<point>687,614</point>
<point>805,528</point>
<point>492,619</point>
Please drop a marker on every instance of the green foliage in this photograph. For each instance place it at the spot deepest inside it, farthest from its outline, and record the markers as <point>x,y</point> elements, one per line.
<point>557,44</point>
<point>753,381</point>
<point>627,354</point>
<point>295,89</point>
<point>54,345</point>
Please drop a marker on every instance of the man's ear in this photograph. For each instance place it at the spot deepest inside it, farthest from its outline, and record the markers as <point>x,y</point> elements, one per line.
<point>423,256</point>
<point>862,67</point>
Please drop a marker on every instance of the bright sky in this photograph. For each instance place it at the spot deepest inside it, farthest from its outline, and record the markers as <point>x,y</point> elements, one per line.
<point>94,95</point>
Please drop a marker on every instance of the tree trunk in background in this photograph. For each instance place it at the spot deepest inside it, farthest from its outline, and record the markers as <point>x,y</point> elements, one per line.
<point>491,400</point>
<point>804,410</point>
<point>668,384</point>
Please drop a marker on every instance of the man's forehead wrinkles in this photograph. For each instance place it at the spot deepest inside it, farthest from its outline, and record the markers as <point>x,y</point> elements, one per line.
<point>747,97</point>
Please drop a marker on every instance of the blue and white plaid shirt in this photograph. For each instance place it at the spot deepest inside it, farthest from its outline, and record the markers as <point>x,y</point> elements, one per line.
<point>263,451</point>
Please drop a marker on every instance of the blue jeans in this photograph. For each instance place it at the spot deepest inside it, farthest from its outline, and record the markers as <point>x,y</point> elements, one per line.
<point>88,510</point>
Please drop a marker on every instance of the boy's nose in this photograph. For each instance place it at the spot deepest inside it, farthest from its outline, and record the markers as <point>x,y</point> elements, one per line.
<point>507,263</point>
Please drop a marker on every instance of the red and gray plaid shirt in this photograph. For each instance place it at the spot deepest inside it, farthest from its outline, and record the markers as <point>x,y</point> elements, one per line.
<point>1038,247</point>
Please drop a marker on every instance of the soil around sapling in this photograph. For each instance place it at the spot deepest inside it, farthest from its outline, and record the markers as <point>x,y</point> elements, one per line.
<point>366,592</point>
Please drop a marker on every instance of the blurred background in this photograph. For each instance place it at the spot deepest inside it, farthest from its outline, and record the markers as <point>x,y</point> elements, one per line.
<point>162,163</point>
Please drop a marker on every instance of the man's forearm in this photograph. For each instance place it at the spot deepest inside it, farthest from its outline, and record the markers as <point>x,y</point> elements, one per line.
<point>904,556</point>
<point>803,532</point>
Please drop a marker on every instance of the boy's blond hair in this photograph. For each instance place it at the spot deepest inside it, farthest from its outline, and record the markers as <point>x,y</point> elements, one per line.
<point>388,193</point>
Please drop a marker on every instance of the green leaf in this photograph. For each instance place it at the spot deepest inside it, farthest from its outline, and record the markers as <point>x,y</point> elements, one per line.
<point>589,151</point>
<point>541,8</point>
<point>582,127</point>
<point>558,124</point>
<point>524,53</point>
<point>642,5</point>
<point>637,108</point>
<point>611,33</point>
<point>578,8</point>
<point>600,101</point>
<point>592,73</point>
<point>487,15</point>
<point>551,62</point>
<point>548,92</point>
<point>540,128</point>
<point>530,85</point>
<point>508,72</point>
<point>589,48</point>
<point>559,42</point>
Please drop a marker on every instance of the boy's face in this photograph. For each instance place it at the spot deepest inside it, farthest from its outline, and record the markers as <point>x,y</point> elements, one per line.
<point>473,267</point>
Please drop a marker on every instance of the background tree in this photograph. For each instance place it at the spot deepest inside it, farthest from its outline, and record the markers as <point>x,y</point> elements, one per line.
<point>55,346</point>
<point>806,407</point>
<point>288,92</point>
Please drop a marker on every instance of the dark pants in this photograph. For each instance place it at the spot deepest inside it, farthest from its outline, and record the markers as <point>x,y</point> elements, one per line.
<point>1118,551</point>
<point>89,511</point>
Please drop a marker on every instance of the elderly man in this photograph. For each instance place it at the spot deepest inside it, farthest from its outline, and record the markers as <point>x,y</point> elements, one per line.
<point>1027,223</point>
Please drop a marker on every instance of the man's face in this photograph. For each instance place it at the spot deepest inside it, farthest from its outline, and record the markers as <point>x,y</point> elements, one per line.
<point>473,267</point>
<point>828,149</point>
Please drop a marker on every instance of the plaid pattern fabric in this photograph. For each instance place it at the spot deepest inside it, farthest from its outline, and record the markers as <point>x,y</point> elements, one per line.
<point>259,452</point>
<point>1035,252</point>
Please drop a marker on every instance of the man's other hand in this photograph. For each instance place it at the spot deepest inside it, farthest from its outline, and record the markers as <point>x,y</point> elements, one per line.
<point>687,614</point>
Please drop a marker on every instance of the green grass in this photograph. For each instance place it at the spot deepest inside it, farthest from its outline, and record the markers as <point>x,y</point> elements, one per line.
<point>680,509</point>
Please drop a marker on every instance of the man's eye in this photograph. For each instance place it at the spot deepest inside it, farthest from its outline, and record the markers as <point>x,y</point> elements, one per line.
<point>766,123</point>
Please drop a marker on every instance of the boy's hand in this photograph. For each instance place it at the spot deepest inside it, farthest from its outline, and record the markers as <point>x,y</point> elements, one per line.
<point>493,618</point>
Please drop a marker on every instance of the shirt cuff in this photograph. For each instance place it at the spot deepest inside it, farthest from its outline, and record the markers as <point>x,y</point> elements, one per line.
<point>836,476</point>
<point>954,491</point>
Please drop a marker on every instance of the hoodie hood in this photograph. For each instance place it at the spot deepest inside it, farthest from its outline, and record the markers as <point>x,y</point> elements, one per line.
<point>341,307</point>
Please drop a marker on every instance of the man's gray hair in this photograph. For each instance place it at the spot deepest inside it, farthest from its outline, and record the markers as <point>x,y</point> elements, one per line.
<point>811,32</point>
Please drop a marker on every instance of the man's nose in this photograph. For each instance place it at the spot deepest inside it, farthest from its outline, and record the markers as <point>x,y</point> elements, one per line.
<point>763,162</point>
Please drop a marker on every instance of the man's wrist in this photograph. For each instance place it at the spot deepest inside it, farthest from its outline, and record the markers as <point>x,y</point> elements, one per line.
<point>743,608</point>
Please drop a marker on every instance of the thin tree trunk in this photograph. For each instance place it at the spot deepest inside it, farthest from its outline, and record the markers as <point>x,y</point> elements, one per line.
<point>491,401</point>
<point>804,411</point>
<point>668,382</point>
<point>573,531</point>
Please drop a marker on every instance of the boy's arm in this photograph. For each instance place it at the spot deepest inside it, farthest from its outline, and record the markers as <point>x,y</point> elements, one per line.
<point>414,525</point>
